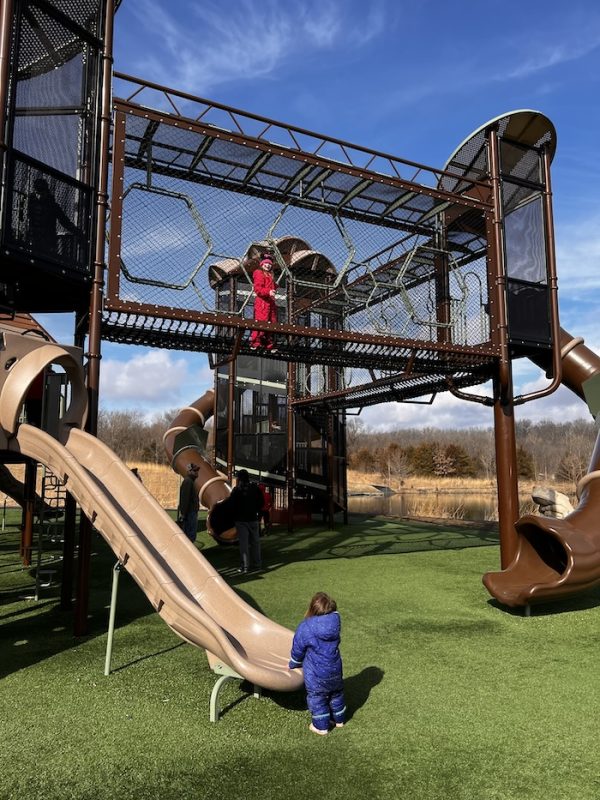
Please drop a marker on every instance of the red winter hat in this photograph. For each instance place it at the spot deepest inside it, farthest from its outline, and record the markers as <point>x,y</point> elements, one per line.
<point>266,260</point>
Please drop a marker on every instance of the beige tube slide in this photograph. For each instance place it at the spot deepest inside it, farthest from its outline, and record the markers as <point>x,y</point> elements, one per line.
<point>182,586</point>
<point>212,487</point>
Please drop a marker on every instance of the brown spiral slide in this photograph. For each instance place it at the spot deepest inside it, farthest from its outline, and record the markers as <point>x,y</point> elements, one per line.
<point>182,586</point>
<point>558,557</point>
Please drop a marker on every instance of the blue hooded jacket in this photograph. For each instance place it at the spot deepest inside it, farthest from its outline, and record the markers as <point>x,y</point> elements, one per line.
<point>316,648</point>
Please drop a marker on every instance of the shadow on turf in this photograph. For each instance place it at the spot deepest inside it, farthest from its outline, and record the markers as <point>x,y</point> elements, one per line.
<point>147,656</point>
<point>357,689</point>
<point>564,605</point>
<point>39,630</point>
<point>363,536</point>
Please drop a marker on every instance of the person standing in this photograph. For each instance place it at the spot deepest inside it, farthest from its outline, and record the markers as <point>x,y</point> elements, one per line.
<point>316,648</point>
<point>265,308</point>
<point>265,512</point>
<point>187,512</point>
<point>44,215</point>
<point>246,502</point>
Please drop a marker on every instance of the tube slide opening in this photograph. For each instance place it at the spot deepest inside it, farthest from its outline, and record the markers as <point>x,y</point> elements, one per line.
<point>546,546</point>
<point>221,523</point>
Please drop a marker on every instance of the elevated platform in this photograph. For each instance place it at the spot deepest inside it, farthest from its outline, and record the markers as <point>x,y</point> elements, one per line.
<point>378,266</point>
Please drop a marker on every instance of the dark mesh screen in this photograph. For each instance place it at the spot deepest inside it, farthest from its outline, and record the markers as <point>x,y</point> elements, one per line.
<point>524,238</point>
<point>49,216</point>
<point>53,94</point>
<point>52,141</point>
<point>528,313</point>
<point>263,452</point>
<point>85,13</point>
<point>47,42</point>
<point>520,162</point>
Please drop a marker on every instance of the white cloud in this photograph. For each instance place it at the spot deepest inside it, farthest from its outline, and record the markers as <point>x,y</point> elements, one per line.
<point>521,57</point>
<point>550,55</point>
<point>153,377</point>
<point>448,411</point>
<point>249,41</point>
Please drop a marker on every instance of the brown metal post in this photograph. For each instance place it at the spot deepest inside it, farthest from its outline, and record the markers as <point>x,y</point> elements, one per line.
<point>231,420</point>
<point>66,587</point>
<point>95,323</point>
<point>504,419</point>
<point>70,521</point>
<point>344,471</point>
<point>290,476</point>
<point>94,339</point>
<point>442,289</point>
<point>330,469</point>
<point>506,473</point>
<point>6,22</point>
<point>29,497</point>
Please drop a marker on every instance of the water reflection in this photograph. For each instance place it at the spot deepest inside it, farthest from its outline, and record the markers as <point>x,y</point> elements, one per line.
<point>446,505</point>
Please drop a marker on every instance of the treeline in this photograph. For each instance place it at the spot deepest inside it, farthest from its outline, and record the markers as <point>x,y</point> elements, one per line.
<point>133,437</point>
<point>545,450</point>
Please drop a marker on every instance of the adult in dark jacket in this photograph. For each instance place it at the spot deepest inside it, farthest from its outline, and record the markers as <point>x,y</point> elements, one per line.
<point>187,511</point>
<point>316,648</point>
<point>246,502</point>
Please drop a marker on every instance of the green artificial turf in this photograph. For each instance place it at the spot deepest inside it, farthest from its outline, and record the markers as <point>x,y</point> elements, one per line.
<point>449,695</point>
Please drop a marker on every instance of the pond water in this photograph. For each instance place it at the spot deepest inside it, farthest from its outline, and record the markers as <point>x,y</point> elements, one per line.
<point>446,505</point>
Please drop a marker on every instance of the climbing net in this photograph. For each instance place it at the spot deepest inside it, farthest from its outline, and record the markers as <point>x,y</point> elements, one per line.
<point>181,242</point>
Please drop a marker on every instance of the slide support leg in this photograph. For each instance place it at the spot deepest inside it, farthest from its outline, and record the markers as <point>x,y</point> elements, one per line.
<point>111,619</point>
<point>225,674</point>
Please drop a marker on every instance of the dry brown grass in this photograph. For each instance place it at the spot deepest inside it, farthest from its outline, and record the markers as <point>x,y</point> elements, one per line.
<point>163,484</point>
<point>452,484</point>
<point>159,479</point>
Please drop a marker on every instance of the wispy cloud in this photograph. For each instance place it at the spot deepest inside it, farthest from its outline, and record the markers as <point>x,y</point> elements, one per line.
<point>251,40</point>
<point>578,259</point>
<point>550,55</point>
<point>521,58</point>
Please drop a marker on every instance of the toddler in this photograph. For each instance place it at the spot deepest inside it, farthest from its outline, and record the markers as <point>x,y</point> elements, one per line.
<point>316,648</point>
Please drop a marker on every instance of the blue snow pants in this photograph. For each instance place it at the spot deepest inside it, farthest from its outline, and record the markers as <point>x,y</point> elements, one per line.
<point>325,706</point>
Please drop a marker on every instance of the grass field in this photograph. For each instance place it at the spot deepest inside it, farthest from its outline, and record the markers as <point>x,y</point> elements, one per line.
<point>449,695</point>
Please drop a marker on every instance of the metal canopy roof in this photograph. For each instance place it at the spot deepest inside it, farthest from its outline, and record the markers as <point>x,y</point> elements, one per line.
<point>256,155</point>
<point>525,128</point>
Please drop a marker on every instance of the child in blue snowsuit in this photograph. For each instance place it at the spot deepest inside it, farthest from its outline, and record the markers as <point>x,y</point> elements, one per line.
<point>316,648</point>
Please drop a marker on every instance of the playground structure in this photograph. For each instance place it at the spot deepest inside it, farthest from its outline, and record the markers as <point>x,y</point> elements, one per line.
<point>300,455</point>
<point>398,281</point>
<point>183,588</point>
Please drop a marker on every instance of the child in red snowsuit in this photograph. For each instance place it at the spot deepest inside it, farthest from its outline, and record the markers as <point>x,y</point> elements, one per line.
<point>264,303</point>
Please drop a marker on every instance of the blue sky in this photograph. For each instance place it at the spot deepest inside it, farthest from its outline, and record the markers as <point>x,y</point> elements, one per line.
<point>409,78</point>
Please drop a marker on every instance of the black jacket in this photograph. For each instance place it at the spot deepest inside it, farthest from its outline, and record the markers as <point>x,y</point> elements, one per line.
<point>246,502</point>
